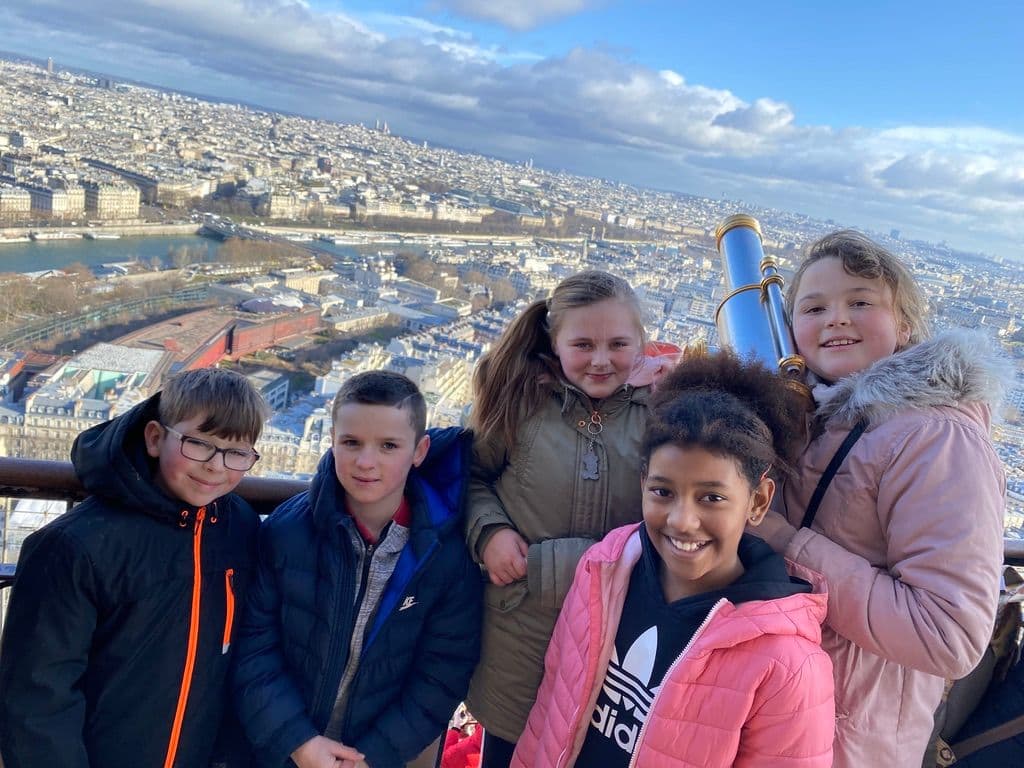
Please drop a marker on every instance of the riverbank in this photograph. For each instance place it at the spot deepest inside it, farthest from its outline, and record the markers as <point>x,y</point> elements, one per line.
<point>378,235</point>
<point>148,248</point>
<point>361,235</point>
<point>123,230</point>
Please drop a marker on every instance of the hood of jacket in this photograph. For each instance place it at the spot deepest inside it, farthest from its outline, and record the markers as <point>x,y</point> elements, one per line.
<point>111,462</point>
<point>436,489</point>
<point>954,368</point>
<point>764,574</point>
<point>774,604</point>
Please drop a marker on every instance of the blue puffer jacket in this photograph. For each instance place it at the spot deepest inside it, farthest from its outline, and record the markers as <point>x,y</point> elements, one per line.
<point>421,645</point>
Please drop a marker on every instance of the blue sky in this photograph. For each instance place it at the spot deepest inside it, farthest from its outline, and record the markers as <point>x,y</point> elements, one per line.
<point>877,115</point>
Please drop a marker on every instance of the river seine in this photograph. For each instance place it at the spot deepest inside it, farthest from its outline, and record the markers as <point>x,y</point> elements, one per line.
<point>54,254</point>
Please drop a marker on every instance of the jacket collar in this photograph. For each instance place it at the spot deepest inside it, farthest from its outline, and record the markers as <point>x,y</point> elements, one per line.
<point>435,490</point>
<point>570,395</point>
<point>612,560</point>
<point>951,369</point>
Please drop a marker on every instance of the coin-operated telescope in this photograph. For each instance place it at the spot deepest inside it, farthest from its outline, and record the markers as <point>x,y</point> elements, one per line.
<point>751,318</point>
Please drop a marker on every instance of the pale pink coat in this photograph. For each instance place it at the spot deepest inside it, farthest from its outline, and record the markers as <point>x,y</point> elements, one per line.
<point>753,687</point>
<point>909,538</point>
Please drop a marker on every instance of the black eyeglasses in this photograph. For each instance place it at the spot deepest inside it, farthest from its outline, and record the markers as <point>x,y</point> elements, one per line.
<point>200,450</point>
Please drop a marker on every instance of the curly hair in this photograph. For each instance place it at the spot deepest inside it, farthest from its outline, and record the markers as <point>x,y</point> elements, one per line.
<point>730,407</point>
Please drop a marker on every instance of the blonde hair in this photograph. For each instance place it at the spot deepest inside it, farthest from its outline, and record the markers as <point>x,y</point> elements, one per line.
<point>508,381</point>
<point>863,257</point>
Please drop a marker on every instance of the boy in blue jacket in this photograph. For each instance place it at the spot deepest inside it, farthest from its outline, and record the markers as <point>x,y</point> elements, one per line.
<point>363,625</point>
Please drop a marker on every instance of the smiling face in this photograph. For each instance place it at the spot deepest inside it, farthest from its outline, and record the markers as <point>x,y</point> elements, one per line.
<point>597,346</point>
<point>194,482</point>
<point>375,446</point>
<point>696,505</point>
<point>843,323</point>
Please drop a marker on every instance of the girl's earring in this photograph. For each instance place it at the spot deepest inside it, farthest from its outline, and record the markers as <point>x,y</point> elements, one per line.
<point>902,335</point>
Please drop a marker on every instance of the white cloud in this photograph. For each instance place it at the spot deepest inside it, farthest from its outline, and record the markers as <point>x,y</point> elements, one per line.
<point>672,78</point>
<point>606,115</point>
<point>764,116</point>
<point>516,14</point>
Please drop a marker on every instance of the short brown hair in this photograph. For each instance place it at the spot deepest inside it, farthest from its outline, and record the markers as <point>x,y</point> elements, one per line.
<point>232,407</point>
<point>384,388</point>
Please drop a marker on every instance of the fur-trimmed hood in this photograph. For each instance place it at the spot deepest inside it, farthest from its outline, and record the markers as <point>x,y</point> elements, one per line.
<point>953,368</point>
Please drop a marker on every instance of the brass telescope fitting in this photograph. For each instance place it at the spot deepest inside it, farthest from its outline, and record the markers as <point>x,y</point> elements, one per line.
<point>751,317</point>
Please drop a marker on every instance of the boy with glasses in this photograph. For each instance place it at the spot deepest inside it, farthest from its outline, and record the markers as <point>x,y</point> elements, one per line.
<point>120,625</point>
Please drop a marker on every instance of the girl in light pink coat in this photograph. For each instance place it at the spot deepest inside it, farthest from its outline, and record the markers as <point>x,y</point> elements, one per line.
<point>909,534</point>
<point>684,641</point>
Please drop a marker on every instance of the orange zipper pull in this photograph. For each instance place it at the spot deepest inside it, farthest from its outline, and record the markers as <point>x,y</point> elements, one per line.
<point>229,618</point>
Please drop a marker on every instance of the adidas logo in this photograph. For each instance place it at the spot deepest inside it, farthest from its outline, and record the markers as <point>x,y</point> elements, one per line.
<point>627,686</point>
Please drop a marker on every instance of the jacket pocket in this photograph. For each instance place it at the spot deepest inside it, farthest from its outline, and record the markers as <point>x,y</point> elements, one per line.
<point>507,598</point>
<point>229,606</point>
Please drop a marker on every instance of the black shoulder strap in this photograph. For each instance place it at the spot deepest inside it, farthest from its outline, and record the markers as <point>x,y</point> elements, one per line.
<point>830,471</point>
<point>994,735</point>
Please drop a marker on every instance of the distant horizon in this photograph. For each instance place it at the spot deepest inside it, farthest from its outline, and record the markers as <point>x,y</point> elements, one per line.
<point>879,117</point>
<point>742,206</point>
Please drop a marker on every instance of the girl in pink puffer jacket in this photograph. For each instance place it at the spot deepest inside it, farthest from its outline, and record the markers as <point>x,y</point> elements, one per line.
<point>909,535</point>
<point>683,640</point>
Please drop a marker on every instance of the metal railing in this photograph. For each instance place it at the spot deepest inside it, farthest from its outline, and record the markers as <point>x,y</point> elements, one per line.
<point>35,479</point>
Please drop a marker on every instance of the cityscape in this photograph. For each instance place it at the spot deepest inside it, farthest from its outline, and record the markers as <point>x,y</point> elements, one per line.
<point>144,231</point>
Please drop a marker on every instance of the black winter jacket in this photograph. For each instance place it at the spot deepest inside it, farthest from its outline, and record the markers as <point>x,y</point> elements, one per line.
<point>121,616</point>
<point>421,645</point>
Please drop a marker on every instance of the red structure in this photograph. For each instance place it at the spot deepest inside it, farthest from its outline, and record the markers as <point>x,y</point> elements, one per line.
<point>204,338</point>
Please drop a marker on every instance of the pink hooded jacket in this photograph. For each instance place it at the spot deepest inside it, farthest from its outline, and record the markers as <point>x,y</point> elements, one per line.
<point>909,537</point>
<point>752,688</point>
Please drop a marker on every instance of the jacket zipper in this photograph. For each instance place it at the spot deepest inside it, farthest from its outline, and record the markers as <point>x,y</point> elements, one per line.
<point>340,608</point>
<point>229,596</point>
<point>367,560</point>
<point>595,589</point>
<point>668,674</point>
<point>193,638</point>
<point>370,549</point>
<point>428,556</point>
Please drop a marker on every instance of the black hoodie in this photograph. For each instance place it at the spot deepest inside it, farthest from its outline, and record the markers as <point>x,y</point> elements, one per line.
<point>652,634</point>
<point>116,645</point>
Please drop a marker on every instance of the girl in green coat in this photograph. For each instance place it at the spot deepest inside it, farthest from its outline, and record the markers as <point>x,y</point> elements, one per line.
<point>559,412</point>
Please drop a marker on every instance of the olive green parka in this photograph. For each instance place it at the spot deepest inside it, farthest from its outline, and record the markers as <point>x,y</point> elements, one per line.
<point>544,488</point>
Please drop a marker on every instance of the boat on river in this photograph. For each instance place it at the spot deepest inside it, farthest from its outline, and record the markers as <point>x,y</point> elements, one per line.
<point>55,235</point>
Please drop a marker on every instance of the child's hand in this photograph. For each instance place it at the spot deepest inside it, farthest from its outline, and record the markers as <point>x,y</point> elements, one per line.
<point>504,557</point>
<point>321,752</point>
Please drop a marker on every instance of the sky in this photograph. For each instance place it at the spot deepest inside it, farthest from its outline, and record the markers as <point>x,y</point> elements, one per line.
<point>877,115</point>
